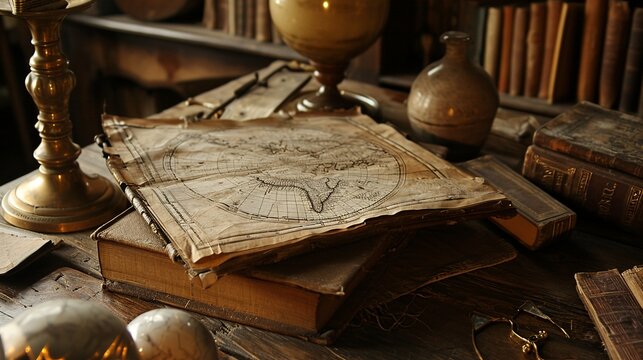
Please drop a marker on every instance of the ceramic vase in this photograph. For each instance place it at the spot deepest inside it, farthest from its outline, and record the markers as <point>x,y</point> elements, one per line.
<point>453,101</point>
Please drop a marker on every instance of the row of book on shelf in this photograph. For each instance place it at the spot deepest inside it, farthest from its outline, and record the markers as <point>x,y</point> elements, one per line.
<point>562,51</point>
<point>245,18</point>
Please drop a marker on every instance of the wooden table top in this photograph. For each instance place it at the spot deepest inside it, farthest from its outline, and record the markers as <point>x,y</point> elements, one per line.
<point>432,322</point>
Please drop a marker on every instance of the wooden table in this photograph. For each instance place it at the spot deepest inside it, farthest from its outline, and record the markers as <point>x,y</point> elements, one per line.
<point>433,322</point>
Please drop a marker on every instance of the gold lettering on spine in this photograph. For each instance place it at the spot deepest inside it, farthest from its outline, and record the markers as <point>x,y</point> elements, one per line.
<point>633,204</point>
<point>583,181</point>
<point>605,204</point>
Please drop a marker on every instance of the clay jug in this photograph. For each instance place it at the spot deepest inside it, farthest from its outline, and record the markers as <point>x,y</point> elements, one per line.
<point>453,101</point>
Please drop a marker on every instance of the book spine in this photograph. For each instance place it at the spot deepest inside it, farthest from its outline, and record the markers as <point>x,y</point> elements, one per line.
<point>614,52</point>
<point>492,42</point>
<point>633,66</point>
<point>505,53</point>
<point>592,45</point>
<point>551,30</point>
<point>535,46</point>
<point>249,22</point>
<point>209,14</point>
<point>609,194</point>
<point>518,51</point>
<point>263,32</point>
<point>222,15</point>
<point>563,75</point>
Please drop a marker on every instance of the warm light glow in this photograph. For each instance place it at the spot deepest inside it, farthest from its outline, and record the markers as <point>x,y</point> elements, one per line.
<point>451,112</point>
<point>325,5</point>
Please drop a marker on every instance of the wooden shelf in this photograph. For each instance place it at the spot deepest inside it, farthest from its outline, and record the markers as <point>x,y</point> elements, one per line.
<point>194,34</point>
<point>522,103</point>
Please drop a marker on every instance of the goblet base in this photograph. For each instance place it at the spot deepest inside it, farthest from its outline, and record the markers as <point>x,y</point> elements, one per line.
<point>62,202</point>
<point>348,100</point>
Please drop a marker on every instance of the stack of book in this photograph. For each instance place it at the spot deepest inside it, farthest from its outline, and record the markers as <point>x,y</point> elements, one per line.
<point>591,157</point>
<point>222,208</point>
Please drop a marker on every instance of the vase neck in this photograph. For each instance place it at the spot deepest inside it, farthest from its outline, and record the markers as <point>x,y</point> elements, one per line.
<point>457,44</point>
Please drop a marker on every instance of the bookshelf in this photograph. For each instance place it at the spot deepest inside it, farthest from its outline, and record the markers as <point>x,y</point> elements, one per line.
<point>189,54</point>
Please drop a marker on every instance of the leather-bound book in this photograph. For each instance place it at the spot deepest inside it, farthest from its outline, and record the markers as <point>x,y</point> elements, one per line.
<point>298,296</point>
<point>492,43</point>
<point>505,49</point>
<point>614,52</point>
<point>222,15</point>
<point>563,74</point>
<point>592,46</point>
<point>540,218</point>
<point>611,304</point>
<point>606,193</point>
<point>535,48</point>
<point>589,132</point>
<point>554,8</point>
<point>263,31</point>
<point>518,50</point>
<point>633,66</point>
<point>249,22</point>
<point>209,19</point>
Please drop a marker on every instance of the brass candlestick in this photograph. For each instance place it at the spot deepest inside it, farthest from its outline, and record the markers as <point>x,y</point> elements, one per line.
<point>59,197</point>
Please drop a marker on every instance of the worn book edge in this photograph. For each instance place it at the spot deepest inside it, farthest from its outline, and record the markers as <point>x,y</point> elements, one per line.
<point>616,314</point>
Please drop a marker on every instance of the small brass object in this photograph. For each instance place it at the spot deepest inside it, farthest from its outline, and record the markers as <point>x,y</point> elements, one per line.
<point>59,197</point>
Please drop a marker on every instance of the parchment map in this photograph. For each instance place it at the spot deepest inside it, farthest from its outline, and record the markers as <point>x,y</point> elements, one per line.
<point>286,174</point>
<point>219,189</point>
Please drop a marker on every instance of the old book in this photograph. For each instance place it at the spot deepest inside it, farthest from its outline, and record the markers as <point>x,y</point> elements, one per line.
<point>297,296</point>
<point>601,136</point>
<point>609,194</point>
<point>535,47</point>
<point>471,20</point>
<point>563,73</point>
<point>634,279</point>
<point>239,17</point>
<point>632,83</point>
<point>209,19</point>
<point>230,194</point>
<point>222,15</point>
<point>505,48</point>
<point>614,51</point>
<point>614,311</point>
<point>518,50</point>
<point>492,43</point>
<point>591,49</point>
<point>554,8</point>
<point>232,16</point>
<point>263,30</point>
<point>540,219</point>
<point>249,22</point>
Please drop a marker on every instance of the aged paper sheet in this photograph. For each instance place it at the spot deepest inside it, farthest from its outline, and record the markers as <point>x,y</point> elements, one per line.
<point>223,187</point>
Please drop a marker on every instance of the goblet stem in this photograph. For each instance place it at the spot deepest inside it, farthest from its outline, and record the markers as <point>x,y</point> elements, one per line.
<point>328,97</point>
<point>59,197</point>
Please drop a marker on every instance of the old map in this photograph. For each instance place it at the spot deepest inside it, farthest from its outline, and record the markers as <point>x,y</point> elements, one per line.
<point>226,187</point>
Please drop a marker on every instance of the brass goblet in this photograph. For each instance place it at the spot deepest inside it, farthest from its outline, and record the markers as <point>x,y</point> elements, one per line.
<point>59,197</point>
<point>329,33</point>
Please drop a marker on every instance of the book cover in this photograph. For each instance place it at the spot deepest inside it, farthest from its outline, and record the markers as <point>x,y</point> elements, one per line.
<point>518,51</point>
<point>591,50</point>
<point>601,136</point>
<point>229,194</point>
<point>505,49</point>
<point>535,47</point>
<point>250,16</point>
<point>614,51</point>
<point>608,194</point>
<point>614,311</point>
<point>540,218</point>
<point>631,88</point>
<point>563,73</point>
<point>554,8</point>
<point>492,43</point>
<point>297,296</point>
